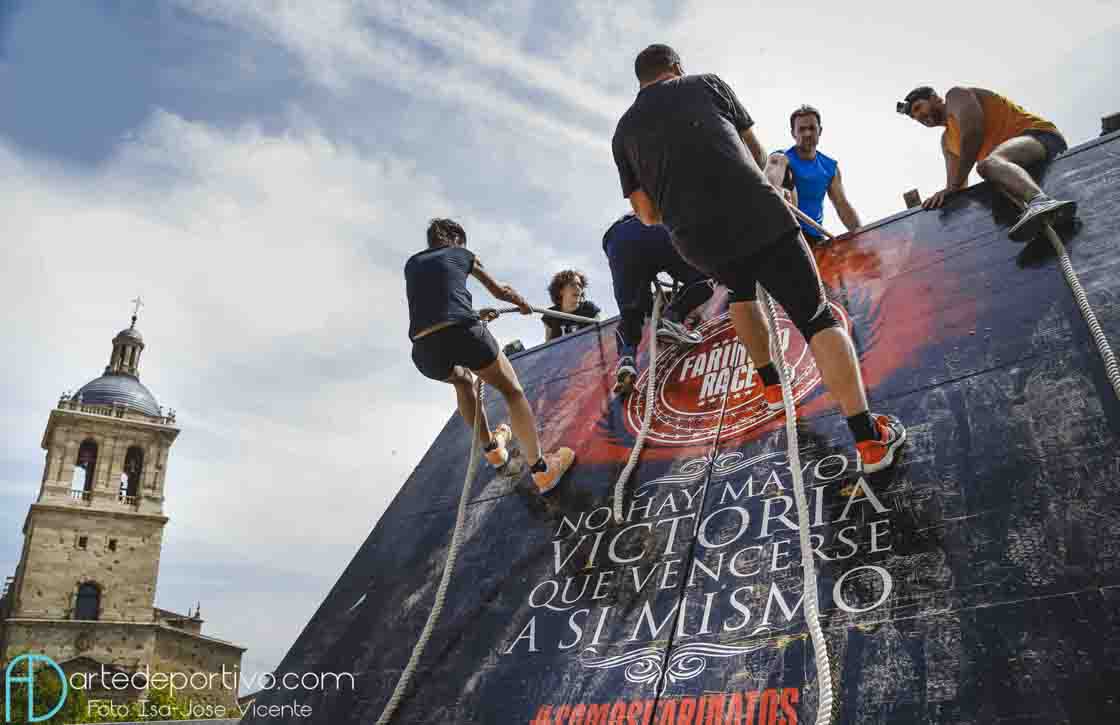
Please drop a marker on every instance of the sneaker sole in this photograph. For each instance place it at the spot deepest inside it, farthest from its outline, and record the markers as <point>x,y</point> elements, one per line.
<point>775,406</point>
<point>1026,231</point>
<point>1062,215</point>
<point>674,340</point>
<point>504,459</point>
<point>887,459</point>
<point>556,482</point>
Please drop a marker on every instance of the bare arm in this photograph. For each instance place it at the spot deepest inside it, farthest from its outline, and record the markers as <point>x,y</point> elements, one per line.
<point>644,207</point>
<point>952,163</point>
<point>844,208</point>
<point>755,147</point>
<point>965,106</point>
<point>503,292</point>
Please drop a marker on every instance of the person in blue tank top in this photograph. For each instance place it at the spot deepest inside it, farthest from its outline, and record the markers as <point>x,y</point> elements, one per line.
<point>810,173</point>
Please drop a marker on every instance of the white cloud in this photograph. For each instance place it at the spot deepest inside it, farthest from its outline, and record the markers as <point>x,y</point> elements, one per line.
<point>275,318</point>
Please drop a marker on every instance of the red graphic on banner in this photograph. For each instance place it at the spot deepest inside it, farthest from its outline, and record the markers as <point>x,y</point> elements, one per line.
<point>881,289</point>
<point>691,384</point>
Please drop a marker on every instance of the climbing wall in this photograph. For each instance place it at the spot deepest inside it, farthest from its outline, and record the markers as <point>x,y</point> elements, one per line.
<point>977,581</point>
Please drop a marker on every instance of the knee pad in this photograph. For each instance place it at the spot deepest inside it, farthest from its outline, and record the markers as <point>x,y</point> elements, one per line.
<point>823,320</point>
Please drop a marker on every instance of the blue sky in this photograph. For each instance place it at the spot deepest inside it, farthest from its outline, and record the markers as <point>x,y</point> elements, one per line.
<point>259,172</point>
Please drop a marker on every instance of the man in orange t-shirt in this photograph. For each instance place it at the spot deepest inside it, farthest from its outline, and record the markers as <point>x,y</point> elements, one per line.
<point>986,130</point>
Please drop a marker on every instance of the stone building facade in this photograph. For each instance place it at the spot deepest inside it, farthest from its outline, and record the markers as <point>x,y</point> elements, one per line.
<point>84,590</point>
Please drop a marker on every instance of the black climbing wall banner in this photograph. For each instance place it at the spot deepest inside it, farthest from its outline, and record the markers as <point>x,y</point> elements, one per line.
<point>976,581</point>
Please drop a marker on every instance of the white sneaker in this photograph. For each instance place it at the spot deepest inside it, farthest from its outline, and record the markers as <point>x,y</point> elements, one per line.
<point>677,334</point>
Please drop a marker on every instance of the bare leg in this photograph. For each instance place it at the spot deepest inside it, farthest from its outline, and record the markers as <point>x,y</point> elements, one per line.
<point>836,359</point>
<point>750,325</point>
<point>500,375</point>
<point>463,382</point>
<point>1004,166</point>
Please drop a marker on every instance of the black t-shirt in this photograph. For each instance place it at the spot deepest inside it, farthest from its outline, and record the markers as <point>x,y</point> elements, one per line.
<point>436,285</point>
<point>680,143</point>
<point>560,327</point>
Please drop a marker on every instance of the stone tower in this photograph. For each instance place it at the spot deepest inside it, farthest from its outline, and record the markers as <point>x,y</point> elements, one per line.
<point>86,582</point>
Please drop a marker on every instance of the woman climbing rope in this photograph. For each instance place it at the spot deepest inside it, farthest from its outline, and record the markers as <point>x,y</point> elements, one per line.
<point>449,341</point>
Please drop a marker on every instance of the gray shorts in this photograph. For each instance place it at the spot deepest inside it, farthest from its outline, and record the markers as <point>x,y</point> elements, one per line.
<point>1053,142</point>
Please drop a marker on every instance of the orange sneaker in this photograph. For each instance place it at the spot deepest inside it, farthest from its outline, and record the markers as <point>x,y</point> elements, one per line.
<point>876,455</point>
<point>558,464</point>
<point>498,455</point>
<point>772,393</point>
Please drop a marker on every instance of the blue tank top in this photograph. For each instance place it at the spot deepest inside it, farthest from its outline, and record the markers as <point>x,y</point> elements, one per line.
<point>812,179</point>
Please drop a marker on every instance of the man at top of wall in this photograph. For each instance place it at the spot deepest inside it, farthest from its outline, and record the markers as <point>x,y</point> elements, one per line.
<point>813,173</point>
<point>986,130</point>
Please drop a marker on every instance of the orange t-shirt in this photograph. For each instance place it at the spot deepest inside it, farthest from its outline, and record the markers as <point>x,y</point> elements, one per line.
<point>1003,119</point>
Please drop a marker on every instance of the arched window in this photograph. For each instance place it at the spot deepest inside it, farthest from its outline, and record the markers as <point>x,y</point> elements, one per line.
<point>133,468</point>
<point>88,605</point>
<point>84,466</point>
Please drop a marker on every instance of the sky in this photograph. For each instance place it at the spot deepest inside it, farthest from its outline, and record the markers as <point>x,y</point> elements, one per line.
<point>259,173</point>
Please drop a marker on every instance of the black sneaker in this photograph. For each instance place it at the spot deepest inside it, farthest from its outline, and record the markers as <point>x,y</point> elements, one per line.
<point>1041,209</point>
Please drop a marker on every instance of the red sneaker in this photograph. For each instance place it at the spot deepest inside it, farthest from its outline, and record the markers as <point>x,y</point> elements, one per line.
<point>772,393</point>
<point>558,464</point>
<point>499,454</point>
<point>876,455</point>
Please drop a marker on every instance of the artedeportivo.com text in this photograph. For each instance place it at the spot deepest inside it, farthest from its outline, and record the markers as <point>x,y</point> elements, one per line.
<point>144,679</point>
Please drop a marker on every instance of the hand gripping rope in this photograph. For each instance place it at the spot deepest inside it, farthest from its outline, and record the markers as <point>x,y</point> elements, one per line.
<point>453,547</point>
<point>647,416</point>
<point>808,569</point>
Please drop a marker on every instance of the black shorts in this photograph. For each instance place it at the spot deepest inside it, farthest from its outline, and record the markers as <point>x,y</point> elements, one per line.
<point>1053,142</point>
<point>787,270</point>
<point>471,346</point>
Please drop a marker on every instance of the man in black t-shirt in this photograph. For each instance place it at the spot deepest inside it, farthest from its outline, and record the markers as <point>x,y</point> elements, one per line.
<point>449,341</point>
<point>567,291</point>
<point>687,157</point>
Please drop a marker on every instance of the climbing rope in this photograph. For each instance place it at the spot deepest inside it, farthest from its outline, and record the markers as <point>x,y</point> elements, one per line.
<point>448,566</point>
<point>651,391</point>
<point>808,568</point>
<point>1111,369</point>
<point>551,313</point>
<point>456,535</point>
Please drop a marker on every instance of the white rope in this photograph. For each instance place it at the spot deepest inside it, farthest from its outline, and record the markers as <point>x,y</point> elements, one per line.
<point>449,564</point>
<point>808,568</point>
<point>651,391</point>
<point>551,313</point>
<point>1111,369</point>
<point>808,219</point>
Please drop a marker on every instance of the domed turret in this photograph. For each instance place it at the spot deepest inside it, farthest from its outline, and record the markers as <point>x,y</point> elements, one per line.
<point>120,384</point>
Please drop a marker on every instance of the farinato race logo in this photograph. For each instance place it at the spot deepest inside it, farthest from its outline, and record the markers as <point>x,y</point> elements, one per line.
<point>691,383</point>
<point>21,671</point>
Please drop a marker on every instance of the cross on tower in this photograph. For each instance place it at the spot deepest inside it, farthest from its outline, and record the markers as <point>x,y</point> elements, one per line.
<point>137,303</point>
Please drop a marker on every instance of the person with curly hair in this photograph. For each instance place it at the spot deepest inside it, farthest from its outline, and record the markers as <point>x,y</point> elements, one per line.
<point>567,290</point>
<point>449,341</point>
